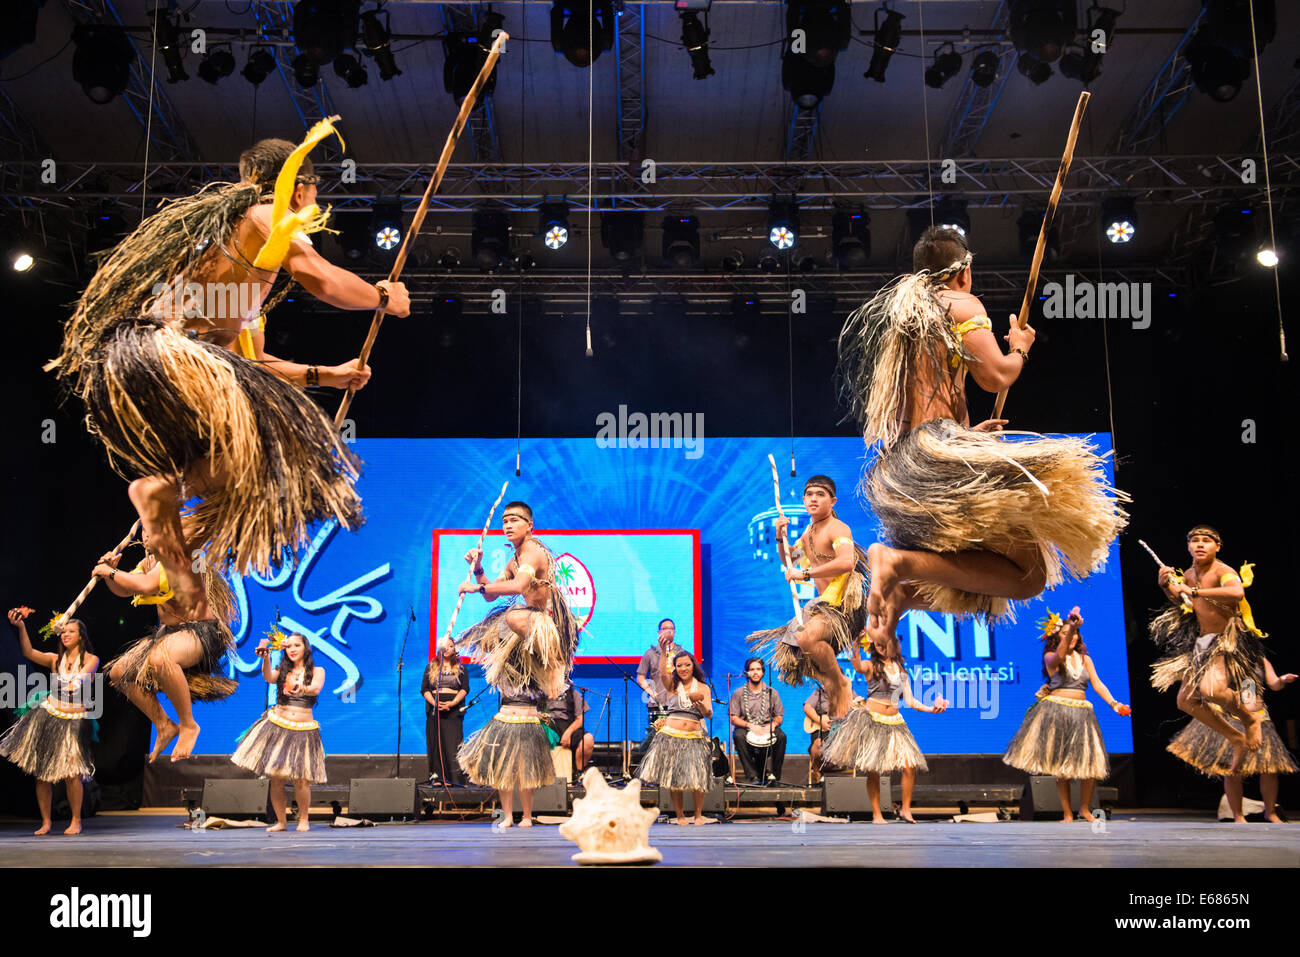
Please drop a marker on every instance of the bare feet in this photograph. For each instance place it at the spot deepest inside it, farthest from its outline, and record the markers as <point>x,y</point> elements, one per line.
<point>505,822</point>
<point>699,821</point>
<point>166,731</point>
<point>883,607</point>
<point>1272,818</point>
<point>1086,814</point>
<point>73,828</point>
<point>303,825</point>
<point>44,829</point>
<point>279,826</point>
<point>878,820</point>
<point>1239,819</point>
<point>907,816</point>
<point>682,822</point>
<point>1238,755</point>
<point>1254,729</point>
<point>526,822</point>
<point>1067,818</point>
<point>189,734</point>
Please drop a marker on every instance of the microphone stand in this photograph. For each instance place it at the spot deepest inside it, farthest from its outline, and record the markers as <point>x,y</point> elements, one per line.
<point>401,655</point>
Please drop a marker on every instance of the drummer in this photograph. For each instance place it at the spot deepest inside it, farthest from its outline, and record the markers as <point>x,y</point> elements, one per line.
<point>756,715</point>
<point>648,677</point>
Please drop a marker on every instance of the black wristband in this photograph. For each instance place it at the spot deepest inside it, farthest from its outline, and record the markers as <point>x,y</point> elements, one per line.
<point>313,376</point>
<point>383,296</point>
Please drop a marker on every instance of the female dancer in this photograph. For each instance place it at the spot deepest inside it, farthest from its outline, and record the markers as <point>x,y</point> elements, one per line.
<point>51,741</point>
<point>285,742</point>
<point>511,752</point>
<point>445,685</point>
<point>873,737</point>
<point>1060,735</point>
<point>678,758</point>
<point>1211,753</point>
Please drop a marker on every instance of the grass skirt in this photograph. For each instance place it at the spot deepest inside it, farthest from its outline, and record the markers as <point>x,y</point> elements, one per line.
<point>1177,633</point>
<point>946,488</point>
<point>161,401</point>
<point>510,751</point>
<point>50,747</point>
<point>678,763</point>
<point>270,749</point>
<point>1060,737</point>
<point>870,742</point>
<point>204,679</point>
<point>514,663</point>
<point>1210,753</point>
<point>843,625</point>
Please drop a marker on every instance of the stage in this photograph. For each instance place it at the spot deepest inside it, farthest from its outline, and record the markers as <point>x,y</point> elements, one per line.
<point>1133,839</point>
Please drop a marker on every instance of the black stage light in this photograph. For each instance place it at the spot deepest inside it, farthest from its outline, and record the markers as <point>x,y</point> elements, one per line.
<point>259,66</point>
<point>167,38</point>
<point>622,232</point>
<point>352,70</point>
<point>386,226</point>
<point>490,242</point>
<point>733,261</point>
<point>851,237</point>
<point>465,54</point>
<point>695,37</point>
<point>216,65</point>
<point>1234,232</point>
<point>354,233</point>
<point>322,29</point>
<point>984,68</point>
<point>808,264</point>
<point>19,28</point>
<point>950,213</point>
<point>582,31</point>
<point>1042,28</point>
<point>306,71</point>
<point>945,67</point>
<point>553,224</point>
<point>887,37</point>
<point>681,245</point>
<point>450,258</point>
<point>806,83</point>
<point>1119,220</point>
<point>768,263</point>
<point>1036,70</point>
<point>102,61</point>
<point>378,40</point>
<point>783,224</point>
<point>1220,53</point>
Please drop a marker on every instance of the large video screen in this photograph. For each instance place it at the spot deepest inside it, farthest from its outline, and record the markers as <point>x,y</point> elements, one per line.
<point>659,533</point>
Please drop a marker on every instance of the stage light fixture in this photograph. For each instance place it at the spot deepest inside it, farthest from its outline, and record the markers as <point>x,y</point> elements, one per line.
<point>1119,220</point>
<point>783,224</point>
<point>733,261</point>
<point>950,213</point>
<point>259,66</point>
<point>1036,70</point>
<point>1234,233</point>
<point>322,29</point>
<point>1221,50</point>
<point>695,37</point>
<point>22,261</point>
<point>581,32</point>
<point>944,68</point>
<point>378,40</point>
<point>622,232</point>
<point>216,65</point>
<point>681,243</point>
<point>984,69</point>
<point>19,28</point>
<point>887,37</point>
<point>450,258</point>
<point>1266,257</point>
<point>306,71</point>
<point>102,61</point>
<point>490,242</point>
<point>1042,28</point>
<point>386,225</point>
<point>768,263</point>
<point>351,70</point>
<point>465,55</point>
<point>354,234</point>
<point>553,224</point>
<point>1086,64</point>
<point>851,237</point>
<point>806,83</point>
<point>167,37</point>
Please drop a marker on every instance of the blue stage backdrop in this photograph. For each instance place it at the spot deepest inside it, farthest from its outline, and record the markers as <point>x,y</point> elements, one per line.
<point>642,534</point>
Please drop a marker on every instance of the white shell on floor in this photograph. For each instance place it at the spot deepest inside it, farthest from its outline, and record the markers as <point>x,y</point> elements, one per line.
<point>610,826</point>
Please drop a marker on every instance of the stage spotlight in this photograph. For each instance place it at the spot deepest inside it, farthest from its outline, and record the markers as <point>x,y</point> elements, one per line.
<point>464,58</point>
<point>695,37</point>
<point>354,234</point>
<point>681,244</point>
<point>573,30</point>
<point>808,264</point>
<point>733,261</point>
<point>167,37</point>
<point>306,71</point>
<point>1119,220</point>
<point>22,261</point>
<point>1234,233</point>
<point>984,69</point>
<point>851,237</point>
<point>378,40</point>
<point>945,67</point>
<point>622,232</point>
<point>102,61</point>
<point>351,70</point>
<point>1221,51</point>
<point>1266,257</point>
<point>450,258</point>
<point>1086,65</point>
<point>322,29</point>
<point>1036,70</point>
<point>825,27</point>
<point>525,262</point>
<point>950,213</point>
<point>490,242</point>
<point>105,229</point>
<point>1028,226</point>
<point>806,83</point>
<point>217,65</point>
<point>553,224</point>
<point>783,224</point>
<point>259,66</point>
<point>887,37</point>
<point>1042,28</point>
<point>386,225</point>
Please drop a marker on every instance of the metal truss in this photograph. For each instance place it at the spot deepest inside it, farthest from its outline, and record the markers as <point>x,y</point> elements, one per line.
<point>482,120</point>
<point>975,105</point>
<point>276,19</point>
<point>629,49</point>
<point>169,134</point>
<point>18,139</point>
<point>803,133</point>
<point>887,184</point>
<point>1163,97</point>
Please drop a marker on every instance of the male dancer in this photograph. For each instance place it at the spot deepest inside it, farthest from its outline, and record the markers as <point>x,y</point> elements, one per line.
<point>530,646</point>
<point>827,557</point>
<point>177,407</point>
<point>970,520</point>
<point>1215,646</point>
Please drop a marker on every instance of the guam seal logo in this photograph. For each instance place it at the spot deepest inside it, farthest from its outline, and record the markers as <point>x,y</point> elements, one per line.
<point>574,581</point>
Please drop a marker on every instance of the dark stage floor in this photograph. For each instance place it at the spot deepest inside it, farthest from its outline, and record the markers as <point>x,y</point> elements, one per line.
<point>1130,840</point>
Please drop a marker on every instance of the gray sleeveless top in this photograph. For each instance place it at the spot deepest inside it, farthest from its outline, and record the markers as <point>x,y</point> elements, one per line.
<point>1061,681</point>
<point>882,688</point>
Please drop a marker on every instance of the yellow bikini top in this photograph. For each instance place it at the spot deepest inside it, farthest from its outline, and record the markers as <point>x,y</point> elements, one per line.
<point>165,593</point>
<point>959,331</point>
<point>834,593</point>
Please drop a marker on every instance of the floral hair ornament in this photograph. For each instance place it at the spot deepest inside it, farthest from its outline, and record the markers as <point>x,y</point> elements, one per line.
<point>1051,624</point>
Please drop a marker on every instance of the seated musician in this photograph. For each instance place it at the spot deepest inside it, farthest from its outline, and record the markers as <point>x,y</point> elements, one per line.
<point>817,721</point>
<point>756,715</point>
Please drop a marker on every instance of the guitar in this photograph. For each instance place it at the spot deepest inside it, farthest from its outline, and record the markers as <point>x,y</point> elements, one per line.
<point>810,726</point>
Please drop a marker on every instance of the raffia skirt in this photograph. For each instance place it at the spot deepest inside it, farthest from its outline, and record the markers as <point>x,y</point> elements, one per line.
<point>50,744</point>
<point>162,401</point>
<point>276,747</point>
<point>871,742</point>
<point>1190,655</point>
<point>947,488</point>
<point>844,623</point>
<point>510,751</point>
<point>514,663</point>
<point>1059,736</point>
<point>678,760</point>
<point>1210,753</point>
<point>204,678</point>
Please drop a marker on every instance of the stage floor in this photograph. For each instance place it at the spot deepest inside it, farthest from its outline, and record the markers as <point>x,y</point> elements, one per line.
<point>1137,839</point>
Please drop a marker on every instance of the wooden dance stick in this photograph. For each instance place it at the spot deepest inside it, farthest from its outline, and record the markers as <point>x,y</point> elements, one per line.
<point>1152,553</point>
<point>1022,317</point>
<point>470,577</point>
<point>794,595</point>
<point>94,579</point>
<point>418,219</point>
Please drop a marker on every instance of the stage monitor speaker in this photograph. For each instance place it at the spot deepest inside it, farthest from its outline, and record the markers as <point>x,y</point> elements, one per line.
<point>382,797</point>
<point>552,799</point>
<point>1040,801</point>
<point>712,799</point>
<point>845,794</point>
<point>234,797</point>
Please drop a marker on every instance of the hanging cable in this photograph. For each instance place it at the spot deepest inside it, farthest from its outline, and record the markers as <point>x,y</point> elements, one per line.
<point>925,113</point>
<point>1105,333</point>
<point>591,198</point>
<point>1268,189</point>
<point>148,124</point>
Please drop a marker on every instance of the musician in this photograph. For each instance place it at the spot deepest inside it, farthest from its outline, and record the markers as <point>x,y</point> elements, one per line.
<point>445,685</point>
<point>817,721</point>
<point>756,715</point>
<point>566,712</point>
<point>648,677</point>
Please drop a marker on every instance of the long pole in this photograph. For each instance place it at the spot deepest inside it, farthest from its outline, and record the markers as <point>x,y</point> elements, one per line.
<point>470,577</point>
<point>794,595</point>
